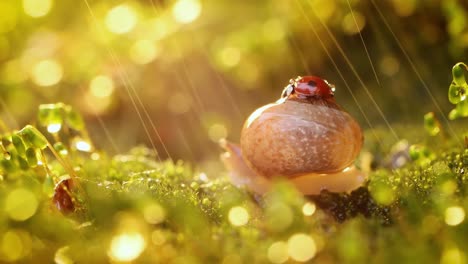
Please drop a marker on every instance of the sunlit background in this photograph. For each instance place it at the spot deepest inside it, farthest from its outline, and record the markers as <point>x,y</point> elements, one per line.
<point>180,75</point>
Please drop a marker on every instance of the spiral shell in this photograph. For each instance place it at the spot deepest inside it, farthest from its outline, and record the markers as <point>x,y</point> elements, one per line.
<point>298,136</point>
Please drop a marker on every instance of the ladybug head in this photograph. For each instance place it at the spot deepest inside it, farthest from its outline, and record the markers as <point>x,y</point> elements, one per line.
<point>309,86</point>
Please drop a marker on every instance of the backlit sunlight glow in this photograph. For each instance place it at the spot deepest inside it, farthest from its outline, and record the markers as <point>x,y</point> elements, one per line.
<point>47,73</point>
<point>121,19</point>
<point>186,11</point>
<point>37,8</point>
<point>126,246</point>
<point>101,86</point>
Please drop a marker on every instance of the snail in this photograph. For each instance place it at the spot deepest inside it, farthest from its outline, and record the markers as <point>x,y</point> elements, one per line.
<point>304,137</point>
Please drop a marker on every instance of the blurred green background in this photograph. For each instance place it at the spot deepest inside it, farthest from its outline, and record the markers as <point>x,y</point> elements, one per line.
<point>187,73</point>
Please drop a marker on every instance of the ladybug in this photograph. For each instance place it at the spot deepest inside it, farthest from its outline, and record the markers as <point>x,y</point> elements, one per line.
<point>309,86</point>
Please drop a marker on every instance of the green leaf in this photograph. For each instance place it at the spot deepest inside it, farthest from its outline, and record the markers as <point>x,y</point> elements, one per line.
<point>31,157</point>
<point>32,136</point>
<point>431,124</point>
<point>50,114</point>
<point>458,73</point>
<point>74,119</point>
<point>19,145</point>
<point>462,108</point>
<point>22,163</point>
<point>8,165</point>
<point>48,186</point>
<point>455,93</point>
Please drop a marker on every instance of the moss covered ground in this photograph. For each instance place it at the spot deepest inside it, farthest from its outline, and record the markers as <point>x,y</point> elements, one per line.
<point>80,205</point>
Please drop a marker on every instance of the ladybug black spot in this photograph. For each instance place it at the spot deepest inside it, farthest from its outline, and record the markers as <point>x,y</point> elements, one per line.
<point>312,83</point>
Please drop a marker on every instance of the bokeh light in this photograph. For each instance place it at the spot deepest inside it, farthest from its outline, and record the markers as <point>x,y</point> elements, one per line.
<point>217,131</point>
<point>278,252</point>
<point>404,8</point>
<point>126,246</point>
<point>158,237</point>
<point>21,204</point>
<point>154,213</point>
<point>83,145</point>
<point>8,16</point>
<point>279,216</point>
<point>308,209</point>
<point>389,65</point>
<point>143,51</point>
<point>179,103</point>
<point>324,9</point>
<point>229,56</point>
<point>452,255</point>
<point>232,259</point>
<point>301,247</point>
<point>353,23</point>
<point>238,216</point>
<point>454,215</point>
<point>121,19</point>
<point>37,8</point>
<point>101,86</point>
<point>186,11</point>
<point>12,72</point>
<point>54,128</point>
<point>47,73</point>
<point>15,244</point>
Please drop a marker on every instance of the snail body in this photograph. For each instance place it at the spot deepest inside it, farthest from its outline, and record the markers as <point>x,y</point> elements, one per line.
<point>304,137</point>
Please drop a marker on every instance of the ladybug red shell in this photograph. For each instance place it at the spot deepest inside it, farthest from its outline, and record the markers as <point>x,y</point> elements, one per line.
<point>63,198</point>
<point>309,86</point>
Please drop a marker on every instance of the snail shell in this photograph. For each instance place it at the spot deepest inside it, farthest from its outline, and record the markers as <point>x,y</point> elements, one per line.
<point>304,132</point>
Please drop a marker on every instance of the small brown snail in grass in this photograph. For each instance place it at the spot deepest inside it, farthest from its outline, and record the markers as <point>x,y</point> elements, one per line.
<point>304,137</point>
